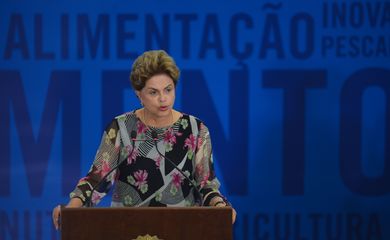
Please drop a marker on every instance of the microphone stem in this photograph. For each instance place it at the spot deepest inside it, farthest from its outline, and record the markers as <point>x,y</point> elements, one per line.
<point>199,196</point>
<point>89,199</point>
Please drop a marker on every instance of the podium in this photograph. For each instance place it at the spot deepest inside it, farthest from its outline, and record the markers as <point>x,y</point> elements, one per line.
<point>147,223</point>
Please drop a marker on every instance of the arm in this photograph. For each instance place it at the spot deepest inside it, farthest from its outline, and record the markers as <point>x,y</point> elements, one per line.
<point>204,170</point>
<point>205,174</point>
<point>106,157</point>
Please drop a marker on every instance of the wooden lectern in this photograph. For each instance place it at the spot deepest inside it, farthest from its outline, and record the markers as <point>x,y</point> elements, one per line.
<point>150,223</point>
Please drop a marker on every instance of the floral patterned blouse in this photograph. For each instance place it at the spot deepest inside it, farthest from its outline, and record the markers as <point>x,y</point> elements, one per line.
<point>144,177</point>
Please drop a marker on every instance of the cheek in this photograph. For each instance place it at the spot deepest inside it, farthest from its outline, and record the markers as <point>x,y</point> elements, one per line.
<point>173,96</point>
<point>147,100</point>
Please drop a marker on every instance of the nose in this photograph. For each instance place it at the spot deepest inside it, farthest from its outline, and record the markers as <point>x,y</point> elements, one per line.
<point>163,98</point>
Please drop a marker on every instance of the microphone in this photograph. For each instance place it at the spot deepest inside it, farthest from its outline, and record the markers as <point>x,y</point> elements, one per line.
<point>133,135</point>
<point>198,198</point>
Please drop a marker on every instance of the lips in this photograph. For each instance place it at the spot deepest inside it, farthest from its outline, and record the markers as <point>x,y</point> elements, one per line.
<point>163,108</point>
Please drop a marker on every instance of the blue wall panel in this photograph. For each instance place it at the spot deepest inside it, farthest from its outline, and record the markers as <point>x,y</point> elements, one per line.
<point>296,95</point>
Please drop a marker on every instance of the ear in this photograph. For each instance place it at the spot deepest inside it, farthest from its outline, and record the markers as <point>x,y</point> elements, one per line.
<point>137,93</point>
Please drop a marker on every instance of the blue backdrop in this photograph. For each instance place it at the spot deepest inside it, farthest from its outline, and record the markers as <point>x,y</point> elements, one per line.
<point>296,95</point>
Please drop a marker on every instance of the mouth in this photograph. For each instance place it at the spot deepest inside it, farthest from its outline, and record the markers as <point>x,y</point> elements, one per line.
<point>163,108</point>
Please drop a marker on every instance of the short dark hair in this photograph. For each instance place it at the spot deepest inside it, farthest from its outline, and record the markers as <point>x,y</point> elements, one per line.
<point>151,63</point>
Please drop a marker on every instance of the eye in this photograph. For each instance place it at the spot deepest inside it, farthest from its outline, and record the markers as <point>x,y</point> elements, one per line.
<point>152,93</point>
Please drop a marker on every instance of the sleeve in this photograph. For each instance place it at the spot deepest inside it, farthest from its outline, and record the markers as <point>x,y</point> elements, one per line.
<point>106,158</point>
<point>204,168</point>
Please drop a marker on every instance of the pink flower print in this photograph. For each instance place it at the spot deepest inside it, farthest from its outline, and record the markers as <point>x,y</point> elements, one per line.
<point>178,134</point>
<point>105,168</point>
<point>140,177</point>
<point>158,161</point>
<point>96,196</point>
<point>141,128</point>
<point>200,142</point>
<point>190,142</point>
<point>117,149</point>
<point>199,169</point>
<point>204,180</point>
<point>83,180</point>
<point>203,174</point>
<point>131,158</point>
<point>170,137</point>
<point>177,179</point>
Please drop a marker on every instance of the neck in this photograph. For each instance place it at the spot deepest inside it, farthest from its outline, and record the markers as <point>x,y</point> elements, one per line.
<point>157,122</point>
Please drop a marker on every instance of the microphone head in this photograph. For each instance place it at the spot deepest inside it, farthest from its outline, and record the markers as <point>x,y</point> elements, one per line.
<point>154,135</point>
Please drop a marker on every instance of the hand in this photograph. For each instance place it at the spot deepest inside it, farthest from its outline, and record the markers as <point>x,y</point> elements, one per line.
<point>73,203</point>
<point>218,202</point>
<point>234,214</point>
<point>56,216</point>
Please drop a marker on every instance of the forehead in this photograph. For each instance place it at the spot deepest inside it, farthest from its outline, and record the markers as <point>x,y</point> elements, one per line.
<point>159,81</point>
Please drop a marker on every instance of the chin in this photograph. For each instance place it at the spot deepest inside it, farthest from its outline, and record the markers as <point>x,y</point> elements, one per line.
<point>159,113</point>
<point>165,113</point>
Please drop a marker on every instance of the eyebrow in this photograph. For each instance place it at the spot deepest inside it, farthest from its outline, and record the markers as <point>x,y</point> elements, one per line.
<point>151,88</point>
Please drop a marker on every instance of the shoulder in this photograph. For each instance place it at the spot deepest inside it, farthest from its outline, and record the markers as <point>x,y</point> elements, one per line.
<point>125,117</point>
<point>191,117</point>
<point>195,120</point>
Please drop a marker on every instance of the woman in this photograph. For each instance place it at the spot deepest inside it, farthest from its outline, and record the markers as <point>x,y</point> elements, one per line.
<point>156,156</point>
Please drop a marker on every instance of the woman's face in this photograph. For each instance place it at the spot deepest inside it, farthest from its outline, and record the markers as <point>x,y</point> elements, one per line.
<point>158,96</point>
